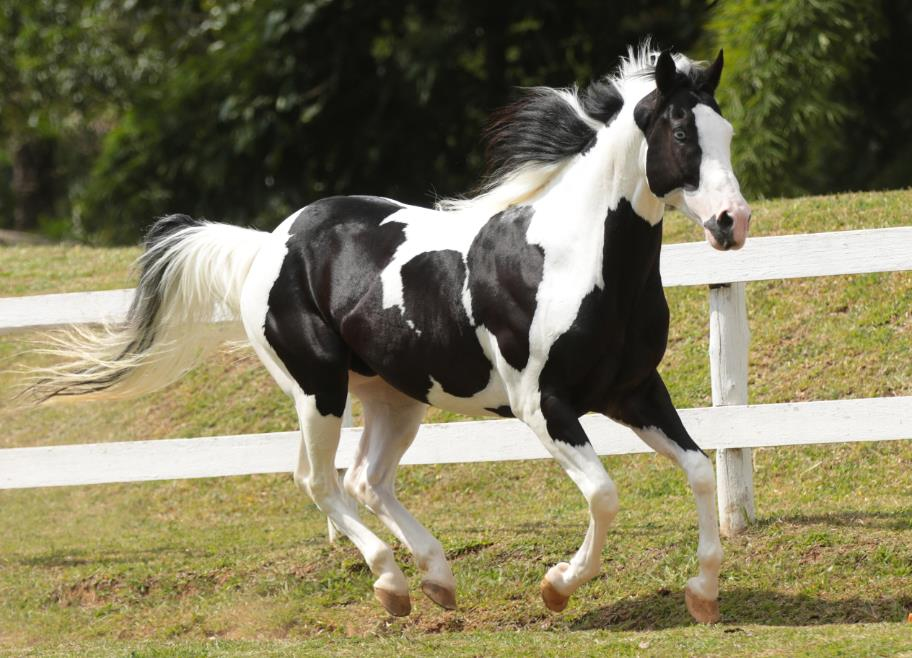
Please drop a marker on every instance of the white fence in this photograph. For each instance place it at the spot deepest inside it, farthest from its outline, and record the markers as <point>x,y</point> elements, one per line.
<point>731,426</point>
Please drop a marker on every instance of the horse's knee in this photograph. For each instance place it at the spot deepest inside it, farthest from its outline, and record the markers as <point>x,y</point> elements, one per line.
<point>700,472</point>
<point>319,489</point>
<point>603,502</point>
<point>351,481</point>
<point>364,486</point>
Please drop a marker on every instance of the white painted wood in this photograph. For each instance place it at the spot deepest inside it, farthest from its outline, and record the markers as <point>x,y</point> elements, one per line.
<point>803,423</point>
<point>332,532</point>
<point>729,339</point>
<point>50,311</point>
<point>729,426</point>
<point>694,263</point>
<point>44,312</point>
<point>789,257</point>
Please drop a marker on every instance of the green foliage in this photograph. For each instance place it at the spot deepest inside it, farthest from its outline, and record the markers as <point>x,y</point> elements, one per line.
<point>789,66</point>
<point>67,71</point>
<point>283,102</point>
<point>116,111</point>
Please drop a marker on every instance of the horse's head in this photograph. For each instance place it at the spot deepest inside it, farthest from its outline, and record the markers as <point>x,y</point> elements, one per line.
<point>686,155</point>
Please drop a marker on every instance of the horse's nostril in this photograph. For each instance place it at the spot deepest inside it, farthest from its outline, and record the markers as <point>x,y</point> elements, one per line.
<point>725,221</point>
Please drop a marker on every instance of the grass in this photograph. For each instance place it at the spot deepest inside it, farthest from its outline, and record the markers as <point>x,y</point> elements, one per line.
<point>237,566</point>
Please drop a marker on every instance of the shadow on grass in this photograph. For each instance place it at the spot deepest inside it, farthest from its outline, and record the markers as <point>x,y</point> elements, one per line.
<point>895,520</point>
<point>72,559</point>
<point>744,606</point>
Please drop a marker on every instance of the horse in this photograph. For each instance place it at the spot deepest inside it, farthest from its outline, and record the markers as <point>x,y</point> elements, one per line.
<point>538,298</point>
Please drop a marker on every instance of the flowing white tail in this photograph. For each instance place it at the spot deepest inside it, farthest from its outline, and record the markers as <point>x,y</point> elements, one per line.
<point>190,272</point>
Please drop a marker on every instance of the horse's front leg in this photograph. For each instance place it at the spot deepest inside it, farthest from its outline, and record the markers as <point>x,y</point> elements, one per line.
<point>650,413</point>
<point>559,429</point>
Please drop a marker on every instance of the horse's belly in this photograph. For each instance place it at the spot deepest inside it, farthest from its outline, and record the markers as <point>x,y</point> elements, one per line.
<point>491,400</point>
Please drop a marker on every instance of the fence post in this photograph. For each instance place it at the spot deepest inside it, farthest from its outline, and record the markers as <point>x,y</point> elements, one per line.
<point>729,337</point>
<point>335,535</point>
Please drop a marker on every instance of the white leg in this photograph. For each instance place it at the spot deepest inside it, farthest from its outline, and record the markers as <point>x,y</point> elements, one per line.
<point>702,591</point>
<point>316,474</point>
<point>334,535</point>
<point>391,421</point>
<point>575,454</point>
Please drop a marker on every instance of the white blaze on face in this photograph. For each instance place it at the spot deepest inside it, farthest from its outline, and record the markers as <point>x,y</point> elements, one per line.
<point>718,193</point>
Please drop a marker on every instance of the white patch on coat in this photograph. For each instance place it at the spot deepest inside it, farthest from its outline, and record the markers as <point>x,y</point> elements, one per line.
<point>718,184</point>
<point>425,231</point>
<point>255,301</point>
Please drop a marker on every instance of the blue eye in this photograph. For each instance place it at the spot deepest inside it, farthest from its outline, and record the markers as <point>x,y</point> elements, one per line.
<point>679,135</point>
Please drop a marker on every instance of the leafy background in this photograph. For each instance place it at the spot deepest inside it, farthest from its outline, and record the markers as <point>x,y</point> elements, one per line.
<point>116,111</point>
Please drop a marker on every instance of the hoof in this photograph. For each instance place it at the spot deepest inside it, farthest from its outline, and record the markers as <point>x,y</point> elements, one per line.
<point>445,598</point>
<point>398,605</point>
<point>554,600</point>
<point>705,612</point>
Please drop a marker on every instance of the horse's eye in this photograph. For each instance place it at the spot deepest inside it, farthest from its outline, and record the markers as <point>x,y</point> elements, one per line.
<point>680,135</point>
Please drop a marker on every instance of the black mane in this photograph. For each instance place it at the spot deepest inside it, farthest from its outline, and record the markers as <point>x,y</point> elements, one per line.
<point>543,128</point>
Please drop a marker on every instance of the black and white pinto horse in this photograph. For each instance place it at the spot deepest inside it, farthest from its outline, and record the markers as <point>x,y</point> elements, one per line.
<point>538,299</point>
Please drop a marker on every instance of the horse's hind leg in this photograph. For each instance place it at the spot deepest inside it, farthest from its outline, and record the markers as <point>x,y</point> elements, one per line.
<point>655,420</point>
<point>391,421</point>
<point>310,363</point>
<point>316,474</point>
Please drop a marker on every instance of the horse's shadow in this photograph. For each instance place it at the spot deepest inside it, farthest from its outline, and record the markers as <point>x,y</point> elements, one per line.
<point>900,519</point>
<point>744,606</point>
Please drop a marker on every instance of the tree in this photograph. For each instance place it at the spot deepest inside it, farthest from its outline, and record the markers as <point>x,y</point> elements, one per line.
<point>279,103</point>
<point>790,67</point>
<point>67,72</point>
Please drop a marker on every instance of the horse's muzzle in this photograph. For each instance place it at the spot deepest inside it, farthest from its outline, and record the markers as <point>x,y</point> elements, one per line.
<point>727,230</point>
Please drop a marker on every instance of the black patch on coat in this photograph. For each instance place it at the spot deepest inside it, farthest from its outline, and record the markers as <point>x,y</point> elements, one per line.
<point>433,338</point>
<point>329,241</point>
<point>504,411</point>
<point>357,365</point>
<point>562,421</point>
<point>620,332</point>
<point>345,244</point>
<point>505,272</point>
<point>673,153</point>
<point>447,346</point>
<point>666,118</point>
<point>649,405</point>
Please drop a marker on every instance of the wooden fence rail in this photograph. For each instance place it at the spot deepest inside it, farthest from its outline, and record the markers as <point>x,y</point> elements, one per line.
<point>731,426</point>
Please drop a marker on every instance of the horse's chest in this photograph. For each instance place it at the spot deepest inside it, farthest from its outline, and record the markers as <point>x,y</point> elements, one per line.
<point>612,329</point>
<point>617,336</point>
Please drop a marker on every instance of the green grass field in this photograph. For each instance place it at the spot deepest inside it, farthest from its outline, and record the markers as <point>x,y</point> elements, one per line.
<point>241,566</point>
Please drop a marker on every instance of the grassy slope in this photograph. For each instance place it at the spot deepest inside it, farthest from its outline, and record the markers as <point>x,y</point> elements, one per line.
<point>826,569</point>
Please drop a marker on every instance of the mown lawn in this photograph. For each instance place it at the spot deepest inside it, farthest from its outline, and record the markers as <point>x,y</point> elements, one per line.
<point>240,566</point>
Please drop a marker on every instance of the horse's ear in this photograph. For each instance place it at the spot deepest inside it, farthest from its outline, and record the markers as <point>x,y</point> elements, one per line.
<point>665,72</point>
<point>712,75</point>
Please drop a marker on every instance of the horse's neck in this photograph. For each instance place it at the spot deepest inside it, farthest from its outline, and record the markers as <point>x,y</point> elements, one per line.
<point>574,209</point>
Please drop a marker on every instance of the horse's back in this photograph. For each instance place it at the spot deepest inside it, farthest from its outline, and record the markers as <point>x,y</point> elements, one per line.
<point>387,281</point>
